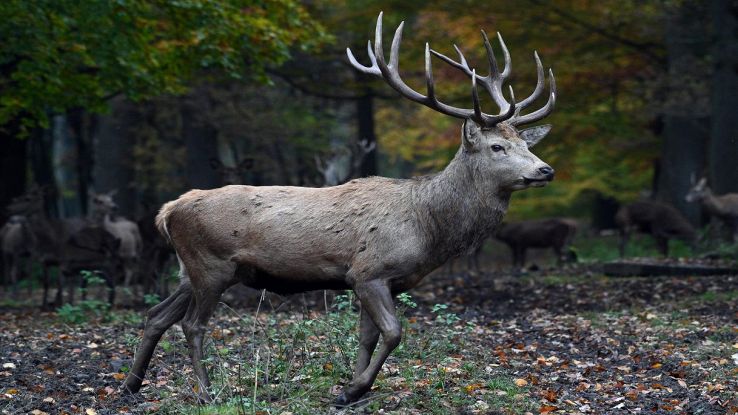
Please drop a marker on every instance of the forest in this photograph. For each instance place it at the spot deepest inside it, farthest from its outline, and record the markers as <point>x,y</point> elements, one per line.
<point>612,289</point>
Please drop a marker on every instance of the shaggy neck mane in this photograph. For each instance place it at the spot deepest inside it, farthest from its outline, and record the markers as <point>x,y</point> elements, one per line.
<point>455,209</point>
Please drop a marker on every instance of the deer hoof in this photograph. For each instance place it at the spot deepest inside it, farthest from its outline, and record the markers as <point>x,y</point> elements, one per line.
<point>343,400</point>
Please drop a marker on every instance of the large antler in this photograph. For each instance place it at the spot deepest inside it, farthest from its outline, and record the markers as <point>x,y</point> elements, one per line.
<point>492,82</point>
<point>390,73</point>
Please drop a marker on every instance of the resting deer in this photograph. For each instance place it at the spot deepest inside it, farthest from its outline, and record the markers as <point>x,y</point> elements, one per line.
<point>377,236</point>
<point>660,220</point>
<point>556,233</point>
<point>723,207</point>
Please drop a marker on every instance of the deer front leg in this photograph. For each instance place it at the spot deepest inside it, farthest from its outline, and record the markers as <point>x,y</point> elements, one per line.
<point>376,299</point>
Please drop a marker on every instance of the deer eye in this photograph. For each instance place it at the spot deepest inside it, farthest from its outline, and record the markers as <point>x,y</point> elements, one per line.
<point>497,147</point>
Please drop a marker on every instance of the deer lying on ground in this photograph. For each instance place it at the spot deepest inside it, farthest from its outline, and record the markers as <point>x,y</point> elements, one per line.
<point>16,245</point>
<point>659,220</point>
<point>377,236</point>
<point>723,207</point>
<point>556,233</point>
<point>102,213</point>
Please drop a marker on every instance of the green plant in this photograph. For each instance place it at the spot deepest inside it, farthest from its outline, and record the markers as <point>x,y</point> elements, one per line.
<point>151,299</point>
<point>443,316</point>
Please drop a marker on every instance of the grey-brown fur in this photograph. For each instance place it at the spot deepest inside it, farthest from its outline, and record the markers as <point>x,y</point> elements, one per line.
<point>657,219</point>
<point>555,233</point>
<point>724,208</point>
<point>377,236</point>
<point>102,213</point>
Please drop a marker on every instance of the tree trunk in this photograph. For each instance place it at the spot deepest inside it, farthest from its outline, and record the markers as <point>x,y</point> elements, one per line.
<point>41,156</point>
<point>684,135</point>
<point>114,142</point>
<point>723,149</point>
<point>201,141</point>
<point>12,164</point>
<point>82,125</point>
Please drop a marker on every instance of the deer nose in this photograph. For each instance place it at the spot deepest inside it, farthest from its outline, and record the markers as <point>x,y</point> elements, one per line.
<point>547,171</point>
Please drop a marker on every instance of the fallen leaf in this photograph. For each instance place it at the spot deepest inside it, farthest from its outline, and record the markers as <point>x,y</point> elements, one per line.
<point>119,376</point>
<point>520,382</point>
<point>547,408</point>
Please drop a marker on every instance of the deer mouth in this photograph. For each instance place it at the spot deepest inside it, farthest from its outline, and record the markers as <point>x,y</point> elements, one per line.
<point>537,182</point>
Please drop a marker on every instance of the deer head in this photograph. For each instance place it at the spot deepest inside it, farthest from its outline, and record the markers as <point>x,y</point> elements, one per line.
<point>232,175</point>
<point>698,191</point>
<point>102,204</point>
<point>29,203</point>
<point>492,146</point>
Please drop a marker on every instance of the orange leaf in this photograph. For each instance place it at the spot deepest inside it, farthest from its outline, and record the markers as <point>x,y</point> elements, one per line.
<point>547,408</point>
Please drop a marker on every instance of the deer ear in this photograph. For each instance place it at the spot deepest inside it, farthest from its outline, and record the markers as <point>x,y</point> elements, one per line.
<point>469,133</point>
<point>702,182</point>
<point>246,164</point>
<point>215,163</point>
<point>533,135</point>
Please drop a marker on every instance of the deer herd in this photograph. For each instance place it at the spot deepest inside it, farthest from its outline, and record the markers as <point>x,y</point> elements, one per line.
<point>376,236</point>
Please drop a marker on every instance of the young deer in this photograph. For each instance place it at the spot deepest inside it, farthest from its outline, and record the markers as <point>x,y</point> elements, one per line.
<point>723,207</point>
<point>377,236</point>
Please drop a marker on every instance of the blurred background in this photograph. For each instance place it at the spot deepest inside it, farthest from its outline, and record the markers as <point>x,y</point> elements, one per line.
<point>152,98</point>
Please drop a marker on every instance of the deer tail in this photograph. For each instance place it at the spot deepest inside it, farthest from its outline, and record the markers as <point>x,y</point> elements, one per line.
<point>162,219</point>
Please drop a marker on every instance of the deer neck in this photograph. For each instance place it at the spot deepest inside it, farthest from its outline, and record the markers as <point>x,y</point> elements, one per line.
<point>457,211</point>
<point>711,203</point>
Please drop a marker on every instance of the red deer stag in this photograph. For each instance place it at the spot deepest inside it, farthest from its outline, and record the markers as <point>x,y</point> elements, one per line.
<point>377,236</point>
<point>660,220</point>
<point>553,233</point>
<point>723,207</point>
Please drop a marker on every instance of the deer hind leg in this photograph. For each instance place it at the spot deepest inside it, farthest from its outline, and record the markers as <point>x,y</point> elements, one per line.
<point>376,299</point>
<point>208,285</point>
<point>159,319</point>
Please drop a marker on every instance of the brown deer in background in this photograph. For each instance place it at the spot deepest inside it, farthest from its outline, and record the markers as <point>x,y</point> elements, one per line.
<point>377,236</point>
<point>659,220</point>
<point>71,245</point>
<point>556,233</point>
<point>17,243</point>
<point>331,170</point>
<point>724,208</point>
<point>103,211</point>
<point>232,175</point>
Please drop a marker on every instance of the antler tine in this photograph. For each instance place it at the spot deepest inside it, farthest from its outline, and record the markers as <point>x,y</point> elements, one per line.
<point>495,78</point>
<point>539,84</point>
<point>506,53</point>
<point>395,49</point>
<point>464,67</point>
<point>475,96</point>
<point>390,73</point>
<point>429,74</point>
<point>371,70</point>
<point>545,110</point>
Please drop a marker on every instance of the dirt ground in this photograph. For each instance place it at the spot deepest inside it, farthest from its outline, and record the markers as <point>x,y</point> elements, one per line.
<point>576,341</point>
